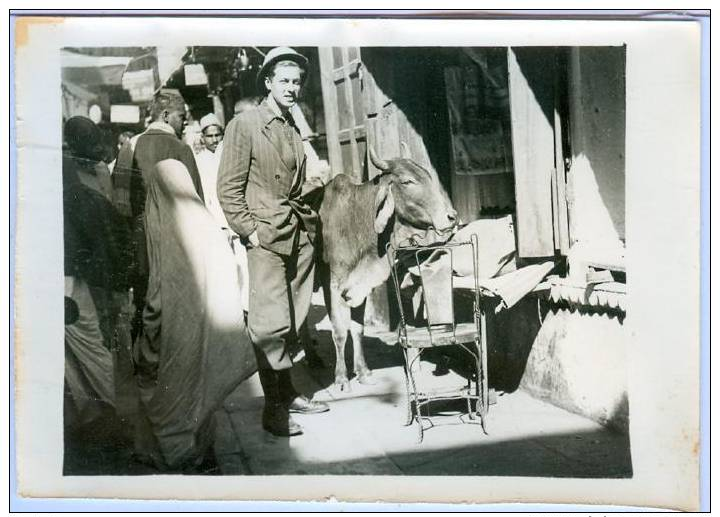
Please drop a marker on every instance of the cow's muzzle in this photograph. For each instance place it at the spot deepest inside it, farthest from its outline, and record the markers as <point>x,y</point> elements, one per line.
<point>448,222</point>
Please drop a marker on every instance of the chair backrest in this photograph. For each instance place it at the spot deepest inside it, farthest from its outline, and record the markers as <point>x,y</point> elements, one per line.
<point>437,287</point>
<point>431,303</point>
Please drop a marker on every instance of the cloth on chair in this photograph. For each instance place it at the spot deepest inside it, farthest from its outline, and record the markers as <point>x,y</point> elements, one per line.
<point>496,247</point>
<point>498,275</point>
<point>496,252</point>
<point>512,287</point>
<point>194,349</point>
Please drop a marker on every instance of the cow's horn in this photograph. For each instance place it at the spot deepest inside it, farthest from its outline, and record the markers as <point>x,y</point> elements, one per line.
<point>404,151</point>
<point>376,161</point>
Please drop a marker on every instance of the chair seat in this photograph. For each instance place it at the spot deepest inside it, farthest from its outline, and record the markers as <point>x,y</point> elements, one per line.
<point>420,337</point>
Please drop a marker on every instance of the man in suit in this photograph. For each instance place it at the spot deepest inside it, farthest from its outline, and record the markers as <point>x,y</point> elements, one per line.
<point>262,190</point>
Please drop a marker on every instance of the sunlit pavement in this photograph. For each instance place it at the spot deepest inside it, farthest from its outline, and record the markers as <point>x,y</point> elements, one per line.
<point>364,432</point>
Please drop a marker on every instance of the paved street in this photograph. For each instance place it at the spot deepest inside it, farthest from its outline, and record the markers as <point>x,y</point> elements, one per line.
<point>364,432</point>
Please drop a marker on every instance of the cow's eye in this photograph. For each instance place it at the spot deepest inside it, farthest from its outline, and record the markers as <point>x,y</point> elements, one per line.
<point>407,182</point>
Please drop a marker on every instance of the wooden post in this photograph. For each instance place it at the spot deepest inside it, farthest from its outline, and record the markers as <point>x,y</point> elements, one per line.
<point>560,208</point>
<point>532,98</point>
<point>354,157</point>
<point>330,105</point>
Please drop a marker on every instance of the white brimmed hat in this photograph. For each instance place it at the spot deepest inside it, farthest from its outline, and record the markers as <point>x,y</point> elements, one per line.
<point>279,54</point>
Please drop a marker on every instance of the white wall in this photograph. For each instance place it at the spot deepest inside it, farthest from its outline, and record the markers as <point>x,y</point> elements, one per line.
<point>596,180</point>
<point>578,361</point>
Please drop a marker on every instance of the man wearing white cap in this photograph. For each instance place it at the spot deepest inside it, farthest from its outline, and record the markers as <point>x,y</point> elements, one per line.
<point>262,189</point>
<point>208,161</point>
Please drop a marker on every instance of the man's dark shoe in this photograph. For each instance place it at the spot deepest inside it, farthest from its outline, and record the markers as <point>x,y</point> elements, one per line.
<point>304,405</point>
<point>277,421</point>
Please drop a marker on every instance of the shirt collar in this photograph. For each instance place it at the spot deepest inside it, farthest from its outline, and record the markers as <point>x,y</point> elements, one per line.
<point>271,111</point>
<point>159,125</point>
<point>87,164</point>
<point>207,152</point>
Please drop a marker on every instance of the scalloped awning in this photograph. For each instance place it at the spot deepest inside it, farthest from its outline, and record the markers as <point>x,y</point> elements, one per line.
<point>608,295</point>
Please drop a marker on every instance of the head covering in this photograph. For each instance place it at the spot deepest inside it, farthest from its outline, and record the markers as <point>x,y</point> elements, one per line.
<point>194,350</point>
<point>82,136</point>
<point>97,240</point>
<point>209,120</point>
<point>275,55</point>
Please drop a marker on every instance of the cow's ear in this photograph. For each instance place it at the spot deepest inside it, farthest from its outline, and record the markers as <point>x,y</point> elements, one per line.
<point>384,207</point>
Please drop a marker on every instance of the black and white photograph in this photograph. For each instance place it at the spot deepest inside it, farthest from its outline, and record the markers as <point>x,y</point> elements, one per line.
<point>320,257</point>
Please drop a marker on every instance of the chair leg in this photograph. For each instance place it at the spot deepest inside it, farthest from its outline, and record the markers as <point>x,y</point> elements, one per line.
<point>417,413</point>
<point>408,396</point>
<point>469,398</point>
<point>420,430</point>
<point>481,392</point>
<point>484,402</point>
<point>486,391</point>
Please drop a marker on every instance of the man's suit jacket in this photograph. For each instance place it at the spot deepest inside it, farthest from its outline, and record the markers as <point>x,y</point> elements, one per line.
<point>261,180</point>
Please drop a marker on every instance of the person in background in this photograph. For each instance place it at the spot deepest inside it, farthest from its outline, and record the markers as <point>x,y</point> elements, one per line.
<point>84,154</point>
<point>208,161</point>
<point>123,138</point>
<point>160,141</point>
<point>262,190</point>
<point>95,261</point>
<point>83,167</point>
<point>211,136</point>
<point>244,104</point>
<point>192,136</point>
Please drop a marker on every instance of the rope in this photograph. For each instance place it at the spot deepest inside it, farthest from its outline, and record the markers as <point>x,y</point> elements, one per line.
<point>412,239</point>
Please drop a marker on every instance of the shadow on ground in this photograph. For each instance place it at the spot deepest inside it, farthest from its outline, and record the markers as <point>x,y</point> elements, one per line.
<point>577,455</point>
<point>101,447</point>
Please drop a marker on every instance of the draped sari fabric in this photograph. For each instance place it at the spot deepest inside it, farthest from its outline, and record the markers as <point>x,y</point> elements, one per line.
<point>194,349</point>
<point>88,362</point>
<point>96,260</point>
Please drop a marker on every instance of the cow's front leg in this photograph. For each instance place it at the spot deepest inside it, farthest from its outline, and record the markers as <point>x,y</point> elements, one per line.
<point>341,377</point>
<point>357,331</point>
<point>340,319</point>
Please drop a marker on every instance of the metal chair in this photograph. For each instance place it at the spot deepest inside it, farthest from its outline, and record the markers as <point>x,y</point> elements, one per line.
<point>433,324</point>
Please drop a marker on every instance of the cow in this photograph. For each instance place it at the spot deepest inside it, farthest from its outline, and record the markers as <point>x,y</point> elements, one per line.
<point>358,220</point>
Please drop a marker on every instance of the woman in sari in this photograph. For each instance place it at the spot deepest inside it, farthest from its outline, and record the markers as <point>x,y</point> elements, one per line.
<point>96,262</point>
<point>193,350</point>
